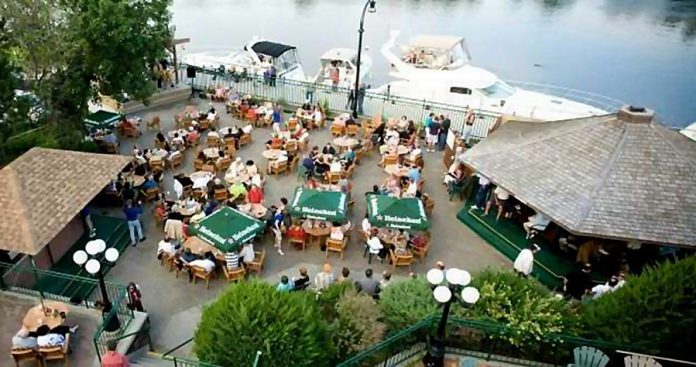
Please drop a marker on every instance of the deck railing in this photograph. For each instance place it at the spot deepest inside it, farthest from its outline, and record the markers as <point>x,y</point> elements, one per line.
<point>295,93</point>
<point>22,279</point>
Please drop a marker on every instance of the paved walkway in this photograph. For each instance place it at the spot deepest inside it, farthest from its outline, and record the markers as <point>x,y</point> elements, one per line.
<point>174,304</point>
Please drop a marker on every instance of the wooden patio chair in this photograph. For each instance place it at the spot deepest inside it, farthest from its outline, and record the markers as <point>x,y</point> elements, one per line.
<point>349,172</point>
<point>177,160</point>
<point>332,177</point>
<point>213,141</point>
<point>221,194</point>
<point>110,148</point>
<point>429,203</point>
<point>223,164</point>
<point>292,124</point>
<point>200,273</point>
<point>421,252</point>
<point>233,275</point>
<point>57,353</point>
<point>640,361</point>
<point>294,163</point>
<point>131,132</point>
<point>335,246</point>
<point>278,168</point>
<point>203,124</point>
<point>230,150</point>
<point>300,241</point>
<point>389,160</point>
<point>291,146</point>
<point>336,130</point>
<point>21,355</point>
<point>352,130</point>
<point>303,145</point>
<point>157,165</point>
<point>151,194</point>
<point>589,357</point>
<point>400,260</point>
<point>278,144</point>
<point>208,168</point>
<point>245,140</point>
<point>198,164</point>
<point>256,266</point>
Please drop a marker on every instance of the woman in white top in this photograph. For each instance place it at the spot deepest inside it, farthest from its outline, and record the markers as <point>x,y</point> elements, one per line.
<point>251,168</point>
<point>336,232</point>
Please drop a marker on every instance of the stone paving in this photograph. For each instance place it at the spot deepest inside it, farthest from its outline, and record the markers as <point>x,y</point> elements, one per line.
<point>174,304</point>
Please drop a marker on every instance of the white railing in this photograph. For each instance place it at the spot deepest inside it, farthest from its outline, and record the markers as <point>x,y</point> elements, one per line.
<point>592,99</point>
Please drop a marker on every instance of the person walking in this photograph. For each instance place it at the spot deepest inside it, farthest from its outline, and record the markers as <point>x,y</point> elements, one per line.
<point>133,217</point>
<point>278,219</point>
<point>112,358</point>
<point>444,129</point>
<point>524,263</point>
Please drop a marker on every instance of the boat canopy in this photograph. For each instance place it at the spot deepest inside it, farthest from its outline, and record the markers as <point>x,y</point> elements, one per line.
<point>343,54</point>
<point>271,49</point>
<point>435,42</point>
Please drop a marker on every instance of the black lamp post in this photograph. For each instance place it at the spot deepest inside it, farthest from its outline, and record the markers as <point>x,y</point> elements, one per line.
<point>96,249</point>
<point>447,285</point>
<point>369,6</point>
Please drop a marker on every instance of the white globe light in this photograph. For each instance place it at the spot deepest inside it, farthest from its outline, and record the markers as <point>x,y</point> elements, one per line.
<point>93,266</point>
<point>111,254</point>
<point>80,257</point>
<point>95,246</point>
<point>442,294</point>
<point>470,295</point>
<point>465,278</point>
<point>453,275</point>
<point>435,276</point>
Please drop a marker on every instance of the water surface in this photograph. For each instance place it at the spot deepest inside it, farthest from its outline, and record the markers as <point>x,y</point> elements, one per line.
<point>639,51</point>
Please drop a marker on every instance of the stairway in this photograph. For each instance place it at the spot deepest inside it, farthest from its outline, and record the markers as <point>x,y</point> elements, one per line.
<point>164,97</point>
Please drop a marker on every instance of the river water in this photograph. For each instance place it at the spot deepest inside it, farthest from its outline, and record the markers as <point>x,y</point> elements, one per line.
<point>639,51</point>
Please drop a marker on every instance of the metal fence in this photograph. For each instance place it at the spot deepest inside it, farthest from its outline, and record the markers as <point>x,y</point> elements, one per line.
<point>480,339</point>
<point>39,283</point>
<point>295,93</point>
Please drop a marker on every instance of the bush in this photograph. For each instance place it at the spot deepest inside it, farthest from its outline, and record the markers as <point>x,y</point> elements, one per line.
<point>252,316</point>
<point>654,312</point>
<point>356,326</point>
<point>407,302</point>
<point>529,311</point>
<point>330,297</point>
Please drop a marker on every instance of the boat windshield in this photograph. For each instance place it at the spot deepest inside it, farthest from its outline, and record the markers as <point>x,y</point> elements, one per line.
<point>287,61</point>
<point>499,89</point>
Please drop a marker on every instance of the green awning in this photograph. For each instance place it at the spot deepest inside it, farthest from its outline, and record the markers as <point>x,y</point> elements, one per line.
<point>102,120</point>
<point>323,205</point>
<point>390,212</point>
<point>227,229</point>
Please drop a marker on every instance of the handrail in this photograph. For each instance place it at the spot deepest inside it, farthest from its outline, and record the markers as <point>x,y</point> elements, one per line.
<point>657,357</point>
<point>170,351</point>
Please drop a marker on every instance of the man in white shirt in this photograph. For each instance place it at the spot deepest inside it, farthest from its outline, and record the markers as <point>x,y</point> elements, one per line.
<point>335,166</point>
<point>48,337</point>
<point>166,246</point>
<point>537,221</point>
<point>247,253</point>
<point>524,263</point>
<point>213,133</point>
<point>374,246</point>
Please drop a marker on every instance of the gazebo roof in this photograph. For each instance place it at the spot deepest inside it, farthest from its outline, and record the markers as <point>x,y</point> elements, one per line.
<point>619,176</point>
<point>42,190</point>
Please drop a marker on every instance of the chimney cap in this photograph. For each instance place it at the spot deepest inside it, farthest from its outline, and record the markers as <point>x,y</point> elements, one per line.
<point>635,114</point>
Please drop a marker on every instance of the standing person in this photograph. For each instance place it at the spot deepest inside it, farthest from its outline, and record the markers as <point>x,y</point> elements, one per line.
<point>278,218</point>
<point>135,296</point>
<point>351,99</point>
<point>444,130</point>
<point>87,216</point>
<point>578,282</point>
<point>334,75</point>
<point>112,358</point>
<point>277,118</point>
<point>469,125</point>
<point>481,193</point>
<point>433,134</point>
<point>360,99</point>
<point>524,263</point>
<point>368,285</point>
<point>132,216</point>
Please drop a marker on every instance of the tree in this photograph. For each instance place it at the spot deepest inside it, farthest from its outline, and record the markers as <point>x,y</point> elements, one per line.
<point>654,312</point>
<point>356,325</point>
<point>252,316</point>
<point>528,311</point>
<point>407,302</point>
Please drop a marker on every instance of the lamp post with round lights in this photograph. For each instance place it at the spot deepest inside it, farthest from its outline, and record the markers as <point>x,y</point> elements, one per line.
<point>449,286</point>
<point>93,258</point>
<point>370,8</point>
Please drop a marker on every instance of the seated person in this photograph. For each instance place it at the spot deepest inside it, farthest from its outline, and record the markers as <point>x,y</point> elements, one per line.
<point>187,257</point>
<point>411,189</point>
<point>212,114</point>
<point>251,167</point>
<point>221,157</point>
<point>247,253</point>
<point>167,246</point>
<point>237,191</point>
<point>335,166</point>
<point>302,282</point>
<point>317,116</point>
<point>213,134</point>
<point>282,158</point>
<point>177,141</point>
<point>308,163</point>
<point>236,169</point>
<point>276,142</point>
<point>149,183</point>
<point>207,262</point>
<point>284,285</point>
<point>537,221</point>
<point>232,260</point>
<point>255,195</point>
<point>110,138</point>
<point>336,232</point>
<point>192,135</point>
<point>374,245</point>
<point>328,149</point>
<point>348,157</point>
<point>47,337</point>
<point>24,340</point>
<point>414,173</point>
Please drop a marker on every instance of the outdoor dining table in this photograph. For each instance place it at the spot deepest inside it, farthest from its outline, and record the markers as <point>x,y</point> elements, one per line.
<point>255,210</point>
<point>396,170</point>
<point>156,158</point>
<point>185,209</point>
<point>211,153</point>
<point>36,317</point>
<point>272,154</point>
<point>241,178</point>
<point>345,142</point>
<point>341,119</point>
<point>181,132</point>
<point>315,232</point>
<point>200,247</point>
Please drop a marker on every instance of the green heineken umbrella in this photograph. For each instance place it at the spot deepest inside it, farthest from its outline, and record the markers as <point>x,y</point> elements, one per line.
<point>227,229</point>
<point>315,204</point>
<point>391,212</point>
<point>102,120</point>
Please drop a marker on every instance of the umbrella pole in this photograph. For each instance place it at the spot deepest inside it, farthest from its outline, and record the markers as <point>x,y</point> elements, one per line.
<point>38,284</point>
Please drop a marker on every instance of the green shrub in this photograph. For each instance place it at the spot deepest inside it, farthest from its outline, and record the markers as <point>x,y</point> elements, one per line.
<point>406,302</point>
<point>654,312</point>
<point>527,309</point>
<point>330,297</point>
<point>252,316</point>
<point>356,325</point>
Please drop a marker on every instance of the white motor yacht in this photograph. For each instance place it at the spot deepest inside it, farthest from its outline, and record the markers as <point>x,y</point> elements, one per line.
<point>437,69</point>
<point>257,57</point>
<point>690,131</point>
<point>346,60</point>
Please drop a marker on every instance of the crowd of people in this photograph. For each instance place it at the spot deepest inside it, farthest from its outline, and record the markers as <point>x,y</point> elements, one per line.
<point>326,277</point>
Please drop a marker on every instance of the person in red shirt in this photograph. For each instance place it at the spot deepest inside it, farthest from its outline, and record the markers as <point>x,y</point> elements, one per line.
<point>112,358</point>
<point>296,232</point>
<point>255,195</point>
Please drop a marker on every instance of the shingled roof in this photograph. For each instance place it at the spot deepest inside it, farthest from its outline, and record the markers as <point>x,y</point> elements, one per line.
<point>619,176</point>
<point>41,191</point>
